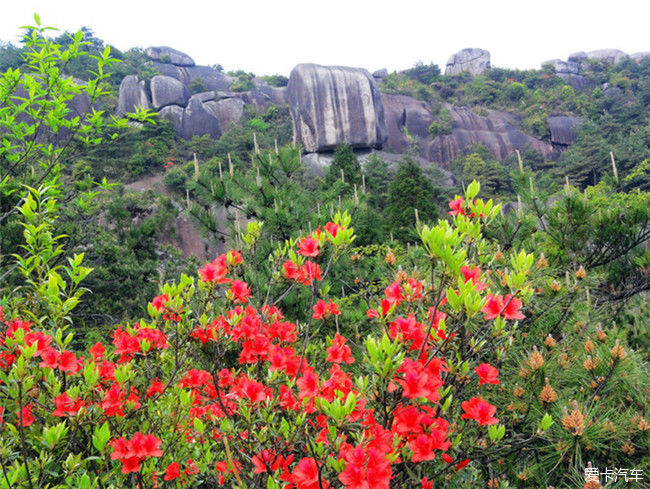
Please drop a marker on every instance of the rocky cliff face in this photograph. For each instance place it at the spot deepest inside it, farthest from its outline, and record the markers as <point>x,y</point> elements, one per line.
<point>497,130</point>
<point>331,105</point>
<point>471,60</point>
<point>570,69</point>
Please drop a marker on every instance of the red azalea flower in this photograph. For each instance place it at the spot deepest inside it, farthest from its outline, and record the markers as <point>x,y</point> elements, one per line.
<point>50,358</point>
<point>97,351</point>
<point>427,484</point>
<point>156,387</point>
<point>291,271</point>
<point>159,302</point>
<point>507,307</point>
<point>215,272</point>
<point>308,385</point>
<point>239,292</point>
<point>332,229</point>
<point>173,471</point>
<point>233,257</point>
<point>473,274</point>
<point>339,352</point>
<point>26,417</point>
<point>324,309</point>
<point>394,293</point>
<point>480,411</point>
<point>308,246</point>
<point>487,374</point>
<point>305,475</point>
<point>113,402</point>
<point>310,271</point>
<point>65,406</point>
<point>462,464</point>
<point>456,206</point>
<point>191,468</point>
<point>68,362</point>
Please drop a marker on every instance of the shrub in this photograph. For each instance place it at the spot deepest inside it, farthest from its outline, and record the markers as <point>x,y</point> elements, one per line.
<point>217,376</point>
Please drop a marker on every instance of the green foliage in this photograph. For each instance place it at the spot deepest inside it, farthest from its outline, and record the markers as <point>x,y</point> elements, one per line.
<point>197,85</point>
<point>426,74</point>
<point>244,81</point>
<point>443,125</point>
<point>276,80</point>
<point>344,167</point>
<point>409,193</point>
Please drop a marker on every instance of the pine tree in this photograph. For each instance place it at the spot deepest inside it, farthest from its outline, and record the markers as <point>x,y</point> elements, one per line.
<point>410,190</point>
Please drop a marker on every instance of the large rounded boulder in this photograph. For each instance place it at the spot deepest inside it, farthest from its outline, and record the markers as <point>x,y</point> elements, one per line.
<point>165,54</point>
<point>474,61</point>
<point>132,94</point>
<point>334,105</point>
<point>166,90</point>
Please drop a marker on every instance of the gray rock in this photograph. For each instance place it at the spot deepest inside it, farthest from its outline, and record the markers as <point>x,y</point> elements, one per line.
<point>173,114</point>
<point>197,121</point>
<point>607,55</point>
<point>568,67</point>
<point>226,94</point>
<point>404,112</point>
<point>319,162</point>
<point>640,56</point>
<point>471,60</point>
<point>498,131</point>
<point>132,94</point>
<point>206,96</point>
<point>166,54</point>
<point>577,57</point>
<point>262,94</point>
<point>166,90</point>
<point>564,129</point>
<point>227,111</point>
<point>578,82</point>
<point>211,78</point>
<point>333,105</point>
<point>380,74</point>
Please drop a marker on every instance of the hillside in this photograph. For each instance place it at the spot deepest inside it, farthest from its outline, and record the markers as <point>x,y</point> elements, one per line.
<point>338,279</point>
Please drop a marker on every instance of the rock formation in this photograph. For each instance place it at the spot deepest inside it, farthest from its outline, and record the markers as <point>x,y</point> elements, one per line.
<point>471,60</point>
<point>166,54</point>
<point>498,131</point>
<point>133,93</point>
<point>332,105</point>
<point>227,111</point>
<point>166,90</point>
<point>564,129</point>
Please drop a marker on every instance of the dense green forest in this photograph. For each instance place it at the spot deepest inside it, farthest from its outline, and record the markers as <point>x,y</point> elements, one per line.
<point>566,238</point>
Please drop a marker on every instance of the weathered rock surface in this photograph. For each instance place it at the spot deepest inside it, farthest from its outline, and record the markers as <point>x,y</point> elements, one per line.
<point>471,60</point>
<point>569,67</point>
<point>607,55</point>
<point>173,114</point>
<point>577,57</point>
<point>227,111</point>
<point>332,105</point>
<point>569,70</point>
<point>498,131</point>
<point>166,54</point>
<point>564,129</point>
<point>132,94</point>
<point>262,94</point>
<point>166,90</point>
<point>380,74</point>
<point>640,56</point>
<point>211,78</point>
<point>319,162</point>
<point>197,121</point>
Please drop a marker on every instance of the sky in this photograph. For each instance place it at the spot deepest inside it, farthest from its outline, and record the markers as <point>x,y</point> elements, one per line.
<point>272,36</point>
